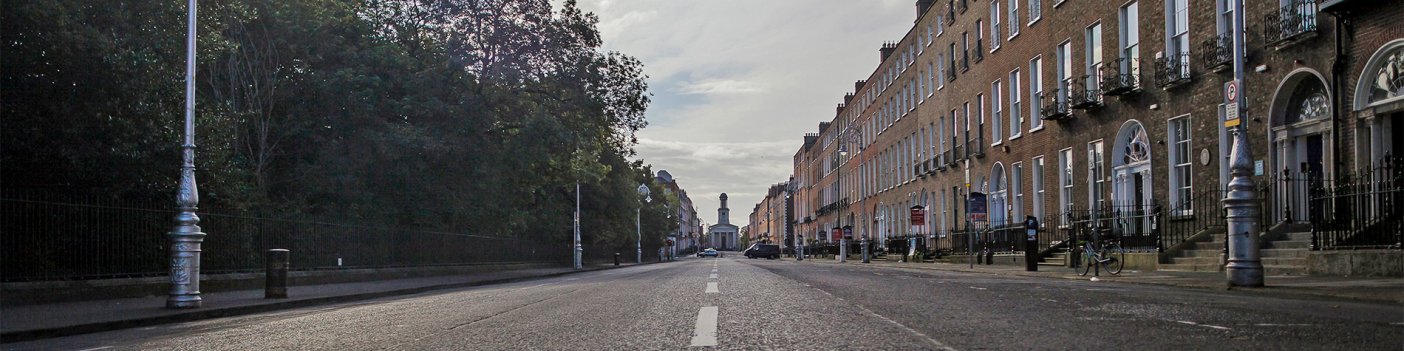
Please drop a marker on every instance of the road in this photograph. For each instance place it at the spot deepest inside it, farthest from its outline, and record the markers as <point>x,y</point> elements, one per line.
<point>736,303</point>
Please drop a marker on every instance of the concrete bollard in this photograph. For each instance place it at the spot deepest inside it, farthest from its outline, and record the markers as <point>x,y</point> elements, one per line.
<point>616,258</point>
<point>275,277</point>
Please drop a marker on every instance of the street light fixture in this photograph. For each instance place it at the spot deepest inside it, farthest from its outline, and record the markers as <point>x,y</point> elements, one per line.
<point>638,244</point>
<point>186,238</point>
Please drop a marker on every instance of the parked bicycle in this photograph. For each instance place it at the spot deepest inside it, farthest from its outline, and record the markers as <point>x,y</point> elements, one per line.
<point>1106,252</point>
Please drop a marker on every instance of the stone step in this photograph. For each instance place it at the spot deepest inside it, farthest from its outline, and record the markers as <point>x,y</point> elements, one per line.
<point>1290,244</point>
<point>1205,245</point>
<point>1298,236</point>
<point>1190,267</point>
<point>1285,253</point>
<point>1196,260</point>
<point>1284,261</point>
<point>1202,253</point>
<point>1284,270</point>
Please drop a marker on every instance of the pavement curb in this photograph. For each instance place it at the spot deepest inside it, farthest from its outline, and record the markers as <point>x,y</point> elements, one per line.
<point>1266,291</point>
<point>200,314</point>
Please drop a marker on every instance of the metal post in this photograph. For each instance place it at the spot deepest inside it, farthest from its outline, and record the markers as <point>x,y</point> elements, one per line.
<point>867,258</point>
<point>578,250</point>
<point>186,237</point>
<point>1244,266</point>
<point>275,274</point>
<point>638,243</point>
<point>799,249</point>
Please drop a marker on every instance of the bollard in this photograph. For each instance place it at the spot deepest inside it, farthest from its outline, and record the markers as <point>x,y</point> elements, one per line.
<point>616,258</point>
<point>275,276</point>
<point>989,256</point>
<point>1031,244</point>
<point>980,257</point>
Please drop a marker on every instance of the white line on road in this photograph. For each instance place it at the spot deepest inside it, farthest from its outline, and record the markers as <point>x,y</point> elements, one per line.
<point>1204,325</point>
<point>938,344</point>
<point>712,288</point>
<point>97,348</point>
<point>533,286</point>
<point>977,288</point>
<point>712,276</point>
<point>1287,325</point>
<point>714,270</point>
<point>705,333</point>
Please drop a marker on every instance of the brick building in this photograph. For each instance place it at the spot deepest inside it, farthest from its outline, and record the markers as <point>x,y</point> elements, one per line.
<point>1110,114</point>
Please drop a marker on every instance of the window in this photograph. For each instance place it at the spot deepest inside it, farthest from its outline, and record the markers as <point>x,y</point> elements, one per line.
<point>1094,58</point>
<point>997,110</point>
<point>940,24</point>
<point>1038,188</point>
<point>1064,71</point>
<point>1180,172</point>
<point>1065,181</point>
<point>1177,43</point>
<point>1225,18</point>
<point>965,49</point>
<point>1130,41</point>
<point>994,25</point>
<point>930,79</point>
<point>979,117</point>
<point>1016,188</point>
<point>1014,18</point>
<point>941,71</point>
<point>1035,92</point>
<point>929,35</point>
<point>1016,119</point>
<point>921,85</point>
<point>1096,176</point>
<point>1035,10</point>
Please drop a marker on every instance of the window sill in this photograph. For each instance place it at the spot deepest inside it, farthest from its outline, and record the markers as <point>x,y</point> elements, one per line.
<point>997,143</point>
<point>1012,36</point>
<point>1059,3</point>
<point>1035,129</point>
<point>1015,136</point>
<point>1035,20</point>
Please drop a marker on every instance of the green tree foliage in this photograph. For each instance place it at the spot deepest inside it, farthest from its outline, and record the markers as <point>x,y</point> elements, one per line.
<point>472,116</point>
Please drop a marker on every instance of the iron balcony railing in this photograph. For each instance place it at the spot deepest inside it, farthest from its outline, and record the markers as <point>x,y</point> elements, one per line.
<point>1294,20</point>
<point>1172,70</point>
<point>1055,106</point>
<point>1122,77</point>
<point>958,152</point>
<point>950,72</point>
<point>976,147</point>
<point>1218,51</point>
<point>965,61</point>
<point>979,50</point>
<point>1085,93</point>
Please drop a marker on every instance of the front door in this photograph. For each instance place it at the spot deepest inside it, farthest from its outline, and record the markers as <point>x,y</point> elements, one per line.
<point>1132,202</point>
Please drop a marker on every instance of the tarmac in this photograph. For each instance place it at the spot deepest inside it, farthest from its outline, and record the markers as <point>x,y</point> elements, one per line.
<point>40,321</point>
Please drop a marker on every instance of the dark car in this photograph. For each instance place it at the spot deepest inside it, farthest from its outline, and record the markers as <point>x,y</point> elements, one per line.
<point>763,250</point>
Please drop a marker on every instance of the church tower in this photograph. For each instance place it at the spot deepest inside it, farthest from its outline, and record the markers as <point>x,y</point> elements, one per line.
<point>723,214</point>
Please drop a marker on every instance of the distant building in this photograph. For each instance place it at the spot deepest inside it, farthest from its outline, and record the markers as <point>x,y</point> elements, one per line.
<point>723,235</point>
<point>687,231</point>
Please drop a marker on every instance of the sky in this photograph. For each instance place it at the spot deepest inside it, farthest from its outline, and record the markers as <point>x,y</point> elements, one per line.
<point>737,83</point>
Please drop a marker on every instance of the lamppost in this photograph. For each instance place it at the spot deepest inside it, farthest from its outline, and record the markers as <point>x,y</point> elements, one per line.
<point>638,243</point>
<point>186,237</point>
<point>790,198</point>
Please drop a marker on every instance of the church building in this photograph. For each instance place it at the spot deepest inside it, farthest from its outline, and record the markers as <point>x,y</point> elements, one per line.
<point>723,235</point>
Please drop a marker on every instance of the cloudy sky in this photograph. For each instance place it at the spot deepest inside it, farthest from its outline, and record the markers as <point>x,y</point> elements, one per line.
<point>737,83</point>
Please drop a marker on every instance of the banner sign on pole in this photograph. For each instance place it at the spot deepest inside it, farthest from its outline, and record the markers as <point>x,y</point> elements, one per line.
<point>978,211</point>
<point>918,215</point>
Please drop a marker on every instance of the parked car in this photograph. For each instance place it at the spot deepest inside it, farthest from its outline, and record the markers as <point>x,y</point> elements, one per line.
<point>763,250</point>
<point>709,253</point>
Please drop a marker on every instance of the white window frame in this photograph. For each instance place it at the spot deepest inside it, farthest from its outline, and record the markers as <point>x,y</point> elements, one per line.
<point>995,23</point>
<point>1035,11</point>
<point>1013,19</point>
<point>1066,160</point>
<point>1016,181</point>
<point>1181,165</point>
<point>996,109</point>
<point>1016,118</point>
<point>1038,188</point>
<point>1096,174</point>
<point>1129,43</point>
<point>1035,90</point>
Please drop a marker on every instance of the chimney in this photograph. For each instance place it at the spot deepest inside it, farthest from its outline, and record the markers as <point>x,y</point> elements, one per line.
<point>922,6</point>
<point>858,86</point>
<point>847,98</point>
<point>838,110</point>
<point>886,50</point>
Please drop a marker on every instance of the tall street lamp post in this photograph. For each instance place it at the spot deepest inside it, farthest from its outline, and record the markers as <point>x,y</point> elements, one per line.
<point>790,198</point>
<point>185,239</point>
<point>838,178</point>
<point>638,243</point>
<point>1244,266</point>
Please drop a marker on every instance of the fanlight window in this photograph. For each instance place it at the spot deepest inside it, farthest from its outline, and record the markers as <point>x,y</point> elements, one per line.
<point>1137,147</point>
<point>1389,80</point>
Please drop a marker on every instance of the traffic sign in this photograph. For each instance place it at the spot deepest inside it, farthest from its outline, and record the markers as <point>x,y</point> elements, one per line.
<point>1231,91</point>
<point>1231,107</point>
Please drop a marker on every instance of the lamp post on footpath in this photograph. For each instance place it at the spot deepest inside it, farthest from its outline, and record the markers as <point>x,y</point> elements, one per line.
<point>789,199</point>
<point>186,238</point>
<point>1244,266</point>
<point>638,243</point>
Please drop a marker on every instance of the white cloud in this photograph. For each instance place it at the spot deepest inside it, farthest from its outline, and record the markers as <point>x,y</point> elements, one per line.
<point>737,83</point>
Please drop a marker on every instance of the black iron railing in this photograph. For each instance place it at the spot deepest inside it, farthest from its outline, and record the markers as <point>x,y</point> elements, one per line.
<point>1361,210</point>
<point>1218,51</point>
<point>57,237</point>
<point>1085,93</point>
<point>976,147</point>
<point>1122,77</point>
<point>1291,21</point>
<point>1172,70</point>
<point>1136,226</point>
<point>1054,107</point>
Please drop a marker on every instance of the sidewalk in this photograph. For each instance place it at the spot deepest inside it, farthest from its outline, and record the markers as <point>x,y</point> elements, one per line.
<point>29,322</point>
<point>1371,289</point>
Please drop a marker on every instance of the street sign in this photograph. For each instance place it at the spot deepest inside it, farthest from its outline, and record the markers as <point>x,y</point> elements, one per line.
<point>978,211</point>
<point>918,215</point>
<point>1231,104</point>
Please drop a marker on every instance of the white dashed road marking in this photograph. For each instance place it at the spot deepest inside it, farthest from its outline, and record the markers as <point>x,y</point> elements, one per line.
<point>97,348</point>
<point>1204,325</point>
<point>712,276</point>
<point>712,288</point>
<point>705,333</point>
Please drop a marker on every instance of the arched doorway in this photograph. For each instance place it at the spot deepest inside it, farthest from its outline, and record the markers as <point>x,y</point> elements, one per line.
<point>1377,95</point>
<point>1132,199</point>
<point>1301,144</point>
<point>999,196</point>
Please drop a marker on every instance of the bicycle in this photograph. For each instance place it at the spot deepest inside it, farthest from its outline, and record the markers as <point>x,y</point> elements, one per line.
<point>1109,255</point>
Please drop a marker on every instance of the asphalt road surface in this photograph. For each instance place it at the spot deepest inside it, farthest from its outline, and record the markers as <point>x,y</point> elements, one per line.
<point>736,303</point>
